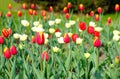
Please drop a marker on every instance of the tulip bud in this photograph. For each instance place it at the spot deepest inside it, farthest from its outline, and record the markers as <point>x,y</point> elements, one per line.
<point>19,13</point>
<point>90,30</point>
<point>74,37</point>
<point>40,38</point>
<point>66,38</point>
<point>24,6</point>
<point>56,49</point>
<point>43,13</point>
<point>6,32</point>
<point>82,25</point>
<point>9,6</point>
<point>30,11</point>
<point>97,17</point>
<point>97,42</point>
<point>34,12</point>
<point>13,50</point>
<point>99,10</point>
<point>92,13</point>
<point>9,14</point>
<point>81,7</point>
<point>117,7</point>
<point>7,53</point>
<point>33,39</point>
<point>65,10</point>
<point>45,56</point>
<point>117,59</point>
<point>51,9</point>
<point>109,20</point>
<point>69,5</point>
<point>86,55</point>
<point>67,15</point>
<point>1,40</point>
<point>32,6</point>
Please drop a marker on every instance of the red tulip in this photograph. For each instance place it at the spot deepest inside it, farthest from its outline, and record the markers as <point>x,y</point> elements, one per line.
<point>97,42</point>
<point>65,10</point>
<point>66,38</point>
<point>30,11</point>
<point>0,14</point>
<point>19,13</point>
<point>97,17</point>
<point>51,9</point>
<point>1,40</point>
<point>96,33</point>
<point>13,50</point>
<point>43,13</point>
<point>67,15</point>
<point>6,32</point>
<point>74,37</point>
<point>9,6</point>
<point>57,30</point>
<point>81,7</point>
<point>9,14</point>
<point>33,39</point>
<point>99,10</point>
<point>40,38</point>
<point>69,5</point>
<point>7,53</point>
<point>117,7</point>
<point>92,13</point>
<point>34,12</point>
<point>45,56</point>
<point>32,6</point>
<point>24,6</point>
<point>82,25</point>
<point>90,30</point>
<point>109,20</point>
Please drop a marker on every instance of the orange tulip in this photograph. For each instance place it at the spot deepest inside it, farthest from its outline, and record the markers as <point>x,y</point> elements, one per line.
<point>24,6</point>
<point>51,9</point>
<point>81,7</point>
<point>117,7</point>
<point>6,32</point>
<point>9,6</point>
<point>97,17</point>
<point>67,15</point>
<point>65,10</point>
<point>43,13</point>
<point>30,11</point>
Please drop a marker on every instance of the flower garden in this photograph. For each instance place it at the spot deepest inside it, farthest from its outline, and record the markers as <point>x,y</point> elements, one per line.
<point>46,46</point>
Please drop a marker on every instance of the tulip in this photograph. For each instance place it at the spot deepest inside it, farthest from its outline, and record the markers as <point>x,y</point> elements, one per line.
<point>66,38</point>
<point>56,49</point>
<point>40,39</point>
<point>116,38</point>
<point>90,30</point>
<point>51,22</point>
<point>13,50</point>
<point>57,21</point>
<point>92,24</point>
<point>82,25</point>
<point>109,20</point>
<point>1,40</point>
<point>24,6</point>
<point>99,10</point>
<point>32,6</point>
<point>0,14</point>
<point>99,29</point>
<point>6,32</point>
<point>9,14</point>
<point>36,23</point>
<point>23,37</point>
<point>97,17</point>
<point>81,7</point>
<point>9,6</point>
<point>97,42</point>
<point>86,55</point>
<point>72,22</point>
<point>43,13</point>
<point>96,33</point>
<point>117,7</point>
<point>33,39</point>
<point>92,13</point>
<point>57,30</point>
<point>79,40</point>
<point>61,40</point>
<point>51,30</point>
<point>25,23</point>
<point>70,34</point>
<point>7,53</point>
<point>46,41</point>
<point>51,9</point>
<point>65,10</point>
<point>67,15</point>
<point>58,34</point>
<point>46,35</point>
<point>30,11</point>
<point>67,25</point>
<point>74,37</point>
<point>45,56</point>
<point>19,13</point>
<point>34,12</point>
<point>69,5</point>
<point>117,59</point>
<point>16,35</point>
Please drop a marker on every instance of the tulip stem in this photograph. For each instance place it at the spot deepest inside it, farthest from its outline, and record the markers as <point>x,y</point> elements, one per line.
<point>9,66</point>
<point>86,69</point>
<point>97,59</point>
<point>40,59</point>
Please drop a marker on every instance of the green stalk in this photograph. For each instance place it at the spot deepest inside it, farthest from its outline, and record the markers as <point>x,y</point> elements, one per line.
<point>97,59</point>
<point>40,59</point>
<point>86,69</point>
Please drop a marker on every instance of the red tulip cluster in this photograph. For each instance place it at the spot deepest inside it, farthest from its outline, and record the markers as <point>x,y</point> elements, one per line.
<point>8,52</point>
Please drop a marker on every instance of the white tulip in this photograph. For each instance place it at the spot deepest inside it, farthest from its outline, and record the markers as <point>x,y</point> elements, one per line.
<point>56,49</point>
<point>99,29</point>
<point>57,21</point>
<point>25,23</point>
<point>46,35</point>
<point>16,35</point>
<point>67,25</point>
<point>36,23</point>
<point>92,24</point>
<point>51,23</point>
<point>39,29</point>
<point>116,37</point>
<point>70,34</point>
<point>60,40</point>
<point>46,41</point>
<point>58,34</point>
<point>23,37</point>
<point>116,32</point>
<point>79,40</point>
<point>72,22</point>
<point>51,30</point>
<point>34,29</point>
<point>86,55</point>
<point>40,25</point>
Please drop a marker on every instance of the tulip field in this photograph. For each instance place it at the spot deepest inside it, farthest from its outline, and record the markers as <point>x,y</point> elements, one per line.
<point>40,45</point>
